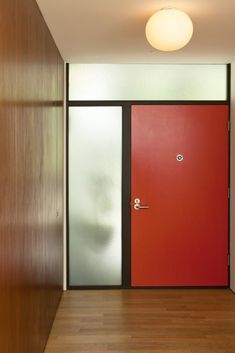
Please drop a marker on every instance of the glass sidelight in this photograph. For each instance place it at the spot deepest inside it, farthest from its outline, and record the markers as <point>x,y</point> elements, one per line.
<point>95,160</point>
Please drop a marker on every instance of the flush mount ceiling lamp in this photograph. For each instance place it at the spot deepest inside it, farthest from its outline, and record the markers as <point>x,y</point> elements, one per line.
<point>169,29</point>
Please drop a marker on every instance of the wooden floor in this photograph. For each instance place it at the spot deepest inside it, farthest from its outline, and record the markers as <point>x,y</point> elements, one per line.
<point>145,321</point>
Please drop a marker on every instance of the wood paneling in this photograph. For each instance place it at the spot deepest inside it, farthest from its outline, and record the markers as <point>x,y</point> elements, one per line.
<point>145,321</point>
<point>31,178</point>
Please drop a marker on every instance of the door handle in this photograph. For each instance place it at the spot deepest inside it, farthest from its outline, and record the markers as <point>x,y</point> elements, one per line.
<point>138,206</point>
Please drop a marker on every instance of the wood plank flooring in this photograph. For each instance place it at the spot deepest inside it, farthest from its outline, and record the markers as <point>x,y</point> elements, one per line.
<point>145,321</point>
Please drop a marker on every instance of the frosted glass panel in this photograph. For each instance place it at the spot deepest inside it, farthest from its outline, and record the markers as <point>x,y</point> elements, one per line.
<point>95,157</point>
<point>147,82</point>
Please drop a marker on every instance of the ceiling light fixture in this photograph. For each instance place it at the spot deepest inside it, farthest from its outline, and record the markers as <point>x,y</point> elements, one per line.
<point>169,29</point>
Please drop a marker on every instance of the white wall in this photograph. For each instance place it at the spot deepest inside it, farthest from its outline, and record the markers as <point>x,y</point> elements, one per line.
<point>232,199</point>
<point>65,176</point>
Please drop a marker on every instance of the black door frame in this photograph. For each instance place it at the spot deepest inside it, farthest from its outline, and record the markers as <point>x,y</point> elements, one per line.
<point>126,178</point>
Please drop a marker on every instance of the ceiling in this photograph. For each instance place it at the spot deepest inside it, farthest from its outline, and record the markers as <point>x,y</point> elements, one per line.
<point>112,31</point>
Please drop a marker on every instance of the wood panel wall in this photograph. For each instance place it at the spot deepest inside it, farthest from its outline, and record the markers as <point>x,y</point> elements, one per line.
<point>31,177</point>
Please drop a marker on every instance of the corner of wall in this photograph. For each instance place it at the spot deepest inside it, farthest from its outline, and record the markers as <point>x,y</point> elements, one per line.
<point>65,182</point>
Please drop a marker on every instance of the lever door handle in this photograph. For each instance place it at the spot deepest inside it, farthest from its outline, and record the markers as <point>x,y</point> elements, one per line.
<point>138,206</point>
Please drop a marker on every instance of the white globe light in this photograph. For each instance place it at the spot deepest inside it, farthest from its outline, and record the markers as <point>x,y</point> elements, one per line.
<point>169,29</point>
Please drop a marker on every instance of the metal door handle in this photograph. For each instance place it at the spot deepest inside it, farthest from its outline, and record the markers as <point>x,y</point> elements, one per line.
<point>137,205</point>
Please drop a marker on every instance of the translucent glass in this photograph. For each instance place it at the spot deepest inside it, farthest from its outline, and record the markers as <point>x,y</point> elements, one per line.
<point>95,157</point>
<point>147,82</point>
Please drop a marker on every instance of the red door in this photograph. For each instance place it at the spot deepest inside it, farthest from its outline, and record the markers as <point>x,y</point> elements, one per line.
<point>180,171</point>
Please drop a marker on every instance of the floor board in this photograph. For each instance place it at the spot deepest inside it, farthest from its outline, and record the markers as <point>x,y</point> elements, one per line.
<point>145,321</point>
